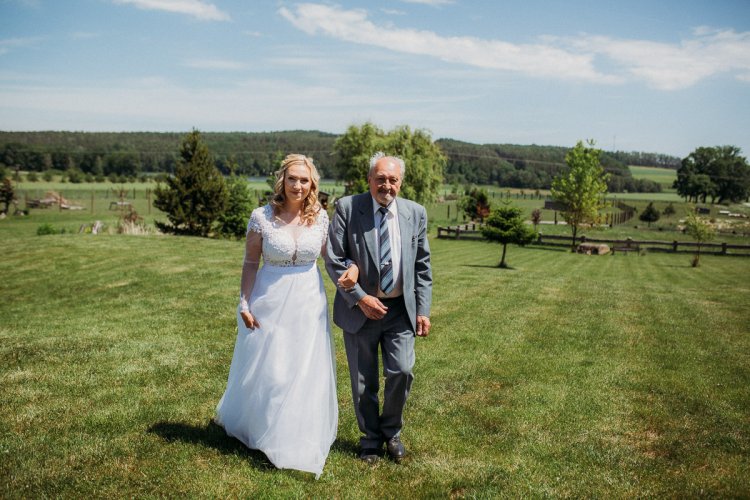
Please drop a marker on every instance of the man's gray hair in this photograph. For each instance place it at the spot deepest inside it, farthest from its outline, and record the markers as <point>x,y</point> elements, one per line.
<point>380,155</point>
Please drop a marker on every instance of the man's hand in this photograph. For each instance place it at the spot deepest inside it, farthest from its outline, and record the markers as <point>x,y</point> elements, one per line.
<point>372,307</point>
<point>249,320</point>
<point>423,326</point>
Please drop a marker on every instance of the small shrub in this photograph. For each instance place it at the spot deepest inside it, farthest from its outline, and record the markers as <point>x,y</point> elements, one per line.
<point>46,228</point>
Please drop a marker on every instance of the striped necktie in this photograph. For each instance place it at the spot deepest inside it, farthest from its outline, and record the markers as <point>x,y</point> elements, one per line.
<point>386,268</point>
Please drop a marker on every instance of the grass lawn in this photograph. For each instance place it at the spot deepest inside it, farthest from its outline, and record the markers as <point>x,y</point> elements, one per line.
<point>568,375</point>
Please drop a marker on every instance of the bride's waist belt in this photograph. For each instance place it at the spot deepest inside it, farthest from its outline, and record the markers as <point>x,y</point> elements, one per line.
<point>289,269</point>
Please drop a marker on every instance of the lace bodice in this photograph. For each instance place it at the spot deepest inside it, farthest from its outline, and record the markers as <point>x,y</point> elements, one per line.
<point>288,245</point>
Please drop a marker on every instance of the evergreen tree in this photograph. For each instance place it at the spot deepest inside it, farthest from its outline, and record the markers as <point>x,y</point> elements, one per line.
<point>582,188</point>
<point>650,214</point>
<point>233,222</point>
<point>669,210</point>
<point>505,225</point>
<point>196,195</point>
<point>475,203</point>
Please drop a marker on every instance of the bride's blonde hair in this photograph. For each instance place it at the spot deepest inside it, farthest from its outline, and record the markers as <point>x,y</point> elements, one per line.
<point>310,205</point>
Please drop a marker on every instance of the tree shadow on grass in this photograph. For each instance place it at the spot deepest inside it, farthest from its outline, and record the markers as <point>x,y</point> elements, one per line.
<point>547,248</point>
<point>484,266</point>
<point>210,435</point>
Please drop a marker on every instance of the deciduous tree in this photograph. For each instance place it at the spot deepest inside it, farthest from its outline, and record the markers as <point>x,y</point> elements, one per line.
<point>717,172</point>
<point>582,187</point>
<point>423,158</point>
<point>475,203</point>
<point>701,231</point>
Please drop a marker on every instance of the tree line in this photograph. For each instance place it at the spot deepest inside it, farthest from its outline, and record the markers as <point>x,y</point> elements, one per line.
<point>89,156</point>
<point>534,166</point>
<point>719,173</point>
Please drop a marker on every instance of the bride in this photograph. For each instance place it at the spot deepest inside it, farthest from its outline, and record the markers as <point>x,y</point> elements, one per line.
<point>281,392</point>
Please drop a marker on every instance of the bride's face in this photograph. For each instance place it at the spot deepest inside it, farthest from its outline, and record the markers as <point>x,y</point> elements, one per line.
<point>297,183</point>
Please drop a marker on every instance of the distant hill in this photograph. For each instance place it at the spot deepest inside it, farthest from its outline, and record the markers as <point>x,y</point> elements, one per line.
<point>258,154</point>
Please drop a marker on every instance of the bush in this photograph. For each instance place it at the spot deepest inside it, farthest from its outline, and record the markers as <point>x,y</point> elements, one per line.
<point>46,228</point>
<point>32,177</point>
<point>233,222</point>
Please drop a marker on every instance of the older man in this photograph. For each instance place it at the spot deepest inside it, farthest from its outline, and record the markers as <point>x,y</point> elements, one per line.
<point>386,237</point>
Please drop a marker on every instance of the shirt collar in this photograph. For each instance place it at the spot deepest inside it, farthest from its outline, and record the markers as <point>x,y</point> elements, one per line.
<point>391,207</point>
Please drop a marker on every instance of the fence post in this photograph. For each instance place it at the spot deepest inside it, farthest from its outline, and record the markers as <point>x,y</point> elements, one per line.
<point>724,248</point>
<point>458,230</point>
<point>449,211</point>
<point>674,246</point>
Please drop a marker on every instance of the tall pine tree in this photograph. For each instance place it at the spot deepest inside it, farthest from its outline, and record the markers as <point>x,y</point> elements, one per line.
<point>196,195</point>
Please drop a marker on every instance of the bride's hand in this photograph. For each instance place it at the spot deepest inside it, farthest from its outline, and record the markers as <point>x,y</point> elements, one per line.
<point>249,320</point>
<point>349,278</point>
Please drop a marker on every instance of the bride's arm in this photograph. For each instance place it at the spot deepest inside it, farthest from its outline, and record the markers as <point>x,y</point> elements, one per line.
<point>253,248</point>
<point>350,277</point>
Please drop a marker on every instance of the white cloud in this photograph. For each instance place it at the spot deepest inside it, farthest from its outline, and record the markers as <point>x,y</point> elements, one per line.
<point>196,8</point>
<point>534,59</point>
<point>664,66</point>
<point>675,66</point>
<point>214,64</point>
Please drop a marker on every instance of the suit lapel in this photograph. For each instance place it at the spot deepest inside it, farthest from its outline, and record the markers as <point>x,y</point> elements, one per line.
<point>367,226</point>
<point>404,227</point>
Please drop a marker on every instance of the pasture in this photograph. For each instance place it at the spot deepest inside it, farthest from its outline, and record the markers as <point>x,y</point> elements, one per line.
<point>663,176</point>
<point>568,375</point>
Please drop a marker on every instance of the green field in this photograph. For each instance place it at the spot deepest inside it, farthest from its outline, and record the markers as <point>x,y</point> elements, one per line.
<point>663,176</point>
<point>569,375</point>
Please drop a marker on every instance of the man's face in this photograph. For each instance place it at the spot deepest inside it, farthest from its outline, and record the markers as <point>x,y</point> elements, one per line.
<point>385,181</point>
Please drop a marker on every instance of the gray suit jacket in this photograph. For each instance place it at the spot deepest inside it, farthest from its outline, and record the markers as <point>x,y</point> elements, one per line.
<point>351,237</point>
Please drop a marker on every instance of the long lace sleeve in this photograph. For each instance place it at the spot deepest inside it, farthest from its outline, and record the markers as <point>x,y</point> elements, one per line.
<point>250,264</point>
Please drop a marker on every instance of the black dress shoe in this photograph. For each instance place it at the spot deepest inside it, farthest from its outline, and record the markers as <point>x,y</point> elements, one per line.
<point>396,448</point>
<point>369,455</point>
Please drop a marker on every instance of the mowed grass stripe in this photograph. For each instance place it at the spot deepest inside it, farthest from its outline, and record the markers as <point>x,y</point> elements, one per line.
<point>568,375</point>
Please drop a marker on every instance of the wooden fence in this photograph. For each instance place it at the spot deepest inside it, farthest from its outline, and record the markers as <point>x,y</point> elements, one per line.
<point>471,231</point>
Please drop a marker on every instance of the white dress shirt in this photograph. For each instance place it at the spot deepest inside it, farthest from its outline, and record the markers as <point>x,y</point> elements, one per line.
<point>395,239</point>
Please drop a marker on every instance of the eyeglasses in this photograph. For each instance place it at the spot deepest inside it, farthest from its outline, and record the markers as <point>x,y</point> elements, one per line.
<point>381,181</point>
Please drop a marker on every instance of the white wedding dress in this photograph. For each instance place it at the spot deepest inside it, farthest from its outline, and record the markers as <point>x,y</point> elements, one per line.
<point>281,393</point>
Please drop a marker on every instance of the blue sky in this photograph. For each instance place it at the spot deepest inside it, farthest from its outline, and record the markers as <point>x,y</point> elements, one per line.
<point>659,76</point>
